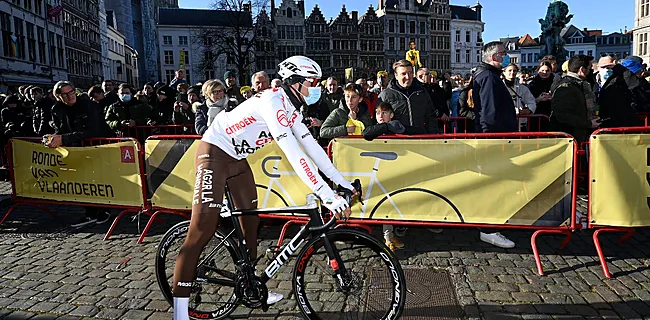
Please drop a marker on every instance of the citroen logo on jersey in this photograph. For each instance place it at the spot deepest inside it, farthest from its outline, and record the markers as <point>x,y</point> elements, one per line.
<point>284,121</point>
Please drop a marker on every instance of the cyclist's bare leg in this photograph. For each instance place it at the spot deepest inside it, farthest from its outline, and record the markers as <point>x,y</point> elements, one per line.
<point>244,197</point>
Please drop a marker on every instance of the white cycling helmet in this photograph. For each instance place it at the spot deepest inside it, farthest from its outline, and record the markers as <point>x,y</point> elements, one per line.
<point>298,68</point>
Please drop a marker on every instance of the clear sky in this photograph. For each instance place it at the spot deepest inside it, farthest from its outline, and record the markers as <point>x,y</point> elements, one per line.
<point>502,17</point>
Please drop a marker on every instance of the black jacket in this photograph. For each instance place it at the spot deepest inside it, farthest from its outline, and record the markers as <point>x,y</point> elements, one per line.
<point>109,99</point>
<point>79,121</point>
<point>538,86</point>
<point>412,106</point>
<point>569,109</point>
<point>464,110</point>
<point>372,132</point>
<point>620,97</point>
<point>494,109</point>
<point>42,116</point>
<point>438,97</point>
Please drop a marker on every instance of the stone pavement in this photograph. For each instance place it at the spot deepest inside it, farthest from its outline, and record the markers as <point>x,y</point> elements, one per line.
<point>50,272</point>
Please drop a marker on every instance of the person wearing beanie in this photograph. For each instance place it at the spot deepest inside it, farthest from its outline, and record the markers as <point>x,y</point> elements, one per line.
<point>183,113</point>
<point>166,99</point>
<point>232,90</point>
<point>194,94</point>
<point>622,94</point>
<point>382,82</point>
<point>246,92</point>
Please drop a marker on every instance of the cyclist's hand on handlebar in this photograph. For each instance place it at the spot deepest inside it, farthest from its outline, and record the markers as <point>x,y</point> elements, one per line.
<point>338,205</point>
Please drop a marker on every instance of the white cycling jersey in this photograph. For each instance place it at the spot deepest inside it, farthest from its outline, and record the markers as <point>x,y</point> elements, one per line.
<point>269,116</point>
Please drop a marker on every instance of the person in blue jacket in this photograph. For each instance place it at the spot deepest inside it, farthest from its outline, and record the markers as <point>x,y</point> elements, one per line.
<point>495,111</point>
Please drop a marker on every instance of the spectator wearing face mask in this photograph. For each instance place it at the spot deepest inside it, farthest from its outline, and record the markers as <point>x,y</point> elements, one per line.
<point>622,94</point>
<point>216,101</point>
<point>128,112</point>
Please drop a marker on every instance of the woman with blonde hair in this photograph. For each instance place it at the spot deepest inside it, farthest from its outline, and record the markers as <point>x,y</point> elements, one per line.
<point>216,101</point>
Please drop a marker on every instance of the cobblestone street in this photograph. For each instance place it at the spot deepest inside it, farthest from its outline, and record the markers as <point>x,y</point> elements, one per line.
<point>48,272</point>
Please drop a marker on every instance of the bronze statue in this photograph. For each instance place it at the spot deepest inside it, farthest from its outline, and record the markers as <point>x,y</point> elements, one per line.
<point>557,17</point>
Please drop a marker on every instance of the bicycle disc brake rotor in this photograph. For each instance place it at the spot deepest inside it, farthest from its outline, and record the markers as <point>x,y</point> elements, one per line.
<point>352,283</point>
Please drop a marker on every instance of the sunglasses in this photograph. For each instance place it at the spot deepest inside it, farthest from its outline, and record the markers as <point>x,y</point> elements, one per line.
<point>314,82</point>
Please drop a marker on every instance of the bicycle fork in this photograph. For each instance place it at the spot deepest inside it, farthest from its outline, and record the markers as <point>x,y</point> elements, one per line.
<point>336,263</point>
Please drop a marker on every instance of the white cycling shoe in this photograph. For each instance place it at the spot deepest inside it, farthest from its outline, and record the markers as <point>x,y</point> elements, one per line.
<point>274,297</point>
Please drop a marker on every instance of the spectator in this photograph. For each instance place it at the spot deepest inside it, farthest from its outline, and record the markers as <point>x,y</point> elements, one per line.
<point>540,87</point>
<point>182,87</point>
<point>15,122</point>
<point>333,95</point>
<point>179,77</point>
<point>73,120</point>
<point>605,70</point>
<point>385,124</point>
<point>447,84</point>
<point>96,94</point>
<point>382,82</point>
<point>21,93</point>
<point>553,62</point>
<point>347,120</point>
<point>246,92</point>
<point>215,101</point>
<point>411,103</point>
<point>182,111</point>
<point>42,112</point>
<point>569,105</point>
<point>276,83</point>
<point>150,93</point>
<point>232,90</point>
<point>194,95</point>
<point>521,97</point>
<point>622,94</point>
<point>437,94</point>
<point>260,81</point>
<point>466,108</point>
<point>369,98</point>
<point>128,112</point>
<point>109,93</point>
<point>166,99</point>
<point>494,109</point>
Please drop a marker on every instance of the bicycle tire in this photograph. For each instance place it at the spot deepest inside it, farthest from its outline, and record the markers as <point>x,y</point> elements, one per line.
<point>397,280</point>
<point>179,232</point>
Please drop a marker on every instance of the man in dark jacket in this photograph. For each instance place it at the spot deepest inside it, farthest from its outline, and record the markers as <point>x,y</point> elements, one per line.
<point>495,111</point>
<point>411,102</point>
<point>166,99</point>
<point>109,93</point>
<point>622,96</point>
<point>42,112</point>
<point>128,112</point>
<point>438,95</point>
<point>569,107</point>
<point>232,89</point>
<point>15,122</point>
<point>73,120</point>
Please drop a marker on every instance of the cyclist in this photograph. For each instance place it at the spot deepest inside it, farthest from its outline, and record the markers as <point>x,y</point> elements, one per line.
<point>221,159</point>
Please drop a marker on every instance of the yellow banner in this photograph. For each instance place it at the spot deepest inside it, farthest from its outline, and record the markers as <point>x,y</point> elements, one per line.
<point>107,174</point>
<point>170,167</point>
<point>619,166</point>
<point>496,181</point>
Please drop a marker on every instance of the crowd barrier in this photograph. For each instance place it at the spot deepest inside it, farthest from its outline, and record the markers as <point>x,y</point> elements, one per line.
<point>427,180</point>
<point>527,123</point>
<point>141,133</point>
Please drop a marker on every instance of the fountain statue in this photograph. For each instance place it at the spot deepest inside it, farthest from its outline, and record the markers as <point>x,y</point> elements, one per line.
<point>557,17</point>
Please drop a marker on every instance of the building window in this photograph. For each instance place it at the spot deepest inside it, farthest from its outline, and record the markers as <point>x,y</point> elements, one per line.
<point>423,27</point>
<point>530,57</point>
<point>391,25</point>
<point>523,58</point>
<point>31,41</point>
<point>582,52</point>
<point>208,74</point>
<point>167,40</point>
<point>20,38</point>
<point>170,75</point>
<point>457,55</point>
<point>187,56</point>
<point>478,56</point>
<point>572,53</point>
<point>38,7</point>
<point>41,44</point>
<point>5,26</point>
<point>402,26</point>
<point>391,43</point>
<point>169,57</point>
<point>182,40</point>
<point>514,60</point>
<point>644,10</point>
<point>478,37</point>
<point>468,35</point>
<point>467,56</point>
<point>423,44</point>
<point>457,35</point>
<point>402,44</point>
<point>412,27</point>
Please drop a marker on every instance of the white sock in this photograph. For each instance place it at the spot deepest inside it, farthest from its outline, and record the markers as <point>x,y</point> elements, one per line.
<point>388,232</point>
<point>181,309</point>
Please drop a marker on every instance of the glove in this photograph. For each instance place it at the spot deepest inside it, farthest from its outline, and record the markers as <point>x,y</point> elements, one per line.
<point>336,204</point>
<point>396,127</point>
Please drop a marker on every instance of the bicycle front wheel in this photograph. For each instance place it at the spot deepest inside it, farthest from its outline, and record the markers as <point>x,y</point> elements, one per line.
<point>211,297</point>
<point>374,283</point>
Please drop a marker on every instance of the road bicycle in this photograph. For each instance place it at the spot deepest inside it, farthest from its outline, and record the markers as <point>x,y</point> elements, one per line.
<point>341,273</point>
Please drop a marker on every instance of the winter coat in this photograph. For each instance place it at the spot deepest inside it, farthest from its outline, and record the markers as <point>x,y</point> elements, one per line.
<point>80,121</point>
<point>493,105</point>
<point>335,124</point>
<point>133,110</point>
<point>412,106</point>
<point>619,98</point>
<point>569,109</point>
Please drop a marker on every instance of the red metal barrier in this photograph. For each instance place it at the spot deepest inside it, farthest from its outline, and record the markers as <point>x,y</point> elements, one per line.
<point>540,230</point>
<point>644,117</point>
<point>19,201</point>
<point>629,231</point>
<point>533,122</point>
<point>455,125</point>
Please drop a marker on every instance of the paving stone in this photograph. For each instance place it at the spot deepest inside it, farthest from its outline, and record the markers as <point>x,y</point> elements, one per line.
<point>136,315</point>
<point>43,307</point>
<point>110,313</point>
<point>85,311</point>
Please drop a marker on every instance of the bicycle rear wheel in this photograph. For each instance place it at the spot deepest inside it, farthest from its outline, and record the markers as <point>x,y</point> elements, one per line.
<point>376,286</point>
<point>210,299</point>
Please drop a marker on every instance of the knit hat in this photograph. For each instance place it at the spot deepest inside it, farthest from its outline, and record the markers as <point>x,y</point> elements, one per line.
<point>565,66</point>
<point>382,73</point>
<point>195,89</point>
<point>244,89</point>
<point>635,59</point>
<point>182,97</point>
<point>632,65</point>
<point>166,91</point>
<point>12,99</point>
<point>228,74</point>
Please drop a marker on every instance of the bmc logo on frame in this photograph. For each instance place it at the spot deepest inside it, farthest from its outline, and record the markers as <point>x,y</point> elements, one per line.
<point>128,154</point>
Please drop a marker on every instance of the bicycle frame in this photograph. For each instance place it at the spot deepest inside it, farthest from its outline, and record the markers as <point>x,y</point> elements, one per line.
<point>315,227</point>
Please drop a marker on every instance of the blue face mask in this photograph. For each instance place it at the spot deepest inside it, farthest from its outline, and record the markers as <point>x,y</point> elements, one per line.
<point>125,97</point>
<point>314,95</point>
<point>605,74</point>
<point>506,61</point>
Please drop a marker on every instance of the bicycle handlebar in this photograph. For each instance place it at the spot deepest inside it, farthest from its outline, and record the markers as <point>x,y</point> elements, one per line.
<point>348,196</point>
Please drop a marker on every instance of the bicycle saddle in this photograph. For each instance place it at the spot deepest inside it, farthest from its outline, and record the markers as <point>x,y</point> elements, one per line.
<point>380,155</point>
